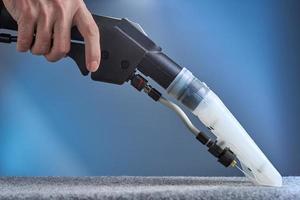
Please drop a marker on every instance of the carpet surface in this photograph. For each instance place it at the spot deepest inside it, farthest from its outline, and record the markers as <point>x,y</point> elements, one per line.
<point>144,188</point>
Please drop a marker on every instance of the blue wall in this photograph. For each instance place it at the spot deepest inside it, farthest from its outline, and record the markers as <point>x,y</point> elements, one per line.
<point>53,121</point>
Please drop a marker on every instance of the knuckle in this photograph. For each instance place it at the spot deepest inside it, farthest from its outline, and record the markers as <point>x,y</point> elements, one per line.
<point>36,51</point>
<point>22,49</point>
<point>40,49</point>
<point>23,43</point>
<point>27,14</point>
<point>62,51</point>
<point>50,58</point>
<point>59,6</point>
<point>44,14</point>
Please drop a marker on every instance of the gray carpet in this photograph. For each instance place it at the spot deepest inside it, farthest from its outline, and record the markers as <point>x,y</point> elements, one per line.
<point>144,188</point>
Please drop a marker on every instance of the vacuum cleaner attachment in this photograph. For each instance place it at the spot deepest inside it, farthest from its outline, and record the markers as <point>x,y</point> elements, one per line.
<point>211,111</point>
<point>126,49</point>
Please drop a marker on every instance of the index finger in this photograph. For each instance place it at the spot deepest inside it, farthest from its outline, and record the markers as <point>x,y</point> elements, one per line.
<point>90,32</point>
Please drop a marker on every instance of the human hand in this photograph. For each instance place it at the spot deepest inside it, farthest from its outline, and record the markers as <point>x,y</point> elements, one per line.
<point>51,22</point>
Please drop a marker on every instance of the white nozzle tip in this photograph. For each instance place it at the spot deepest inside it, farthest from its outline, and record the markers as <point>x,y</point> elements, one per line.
<point>269,176</point>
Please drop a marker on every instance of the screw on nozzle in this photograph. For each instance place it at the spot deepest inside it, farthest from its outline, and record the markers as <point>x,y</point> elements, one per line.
<point>140,83</point>
<point>225,156</point>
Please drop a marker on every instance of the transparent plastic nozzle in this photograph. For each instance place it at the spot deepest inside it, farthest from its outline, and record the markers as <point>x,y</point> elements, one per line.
<point>211,111</point>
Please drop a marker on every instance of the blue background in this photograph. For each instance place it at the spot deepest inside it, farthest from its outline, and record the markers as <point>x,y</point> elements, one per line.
<point>56,122</point>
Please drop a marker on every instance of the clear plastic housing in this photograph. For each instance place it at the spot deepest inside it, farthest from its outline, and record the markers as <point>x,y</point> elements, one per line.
<point>211,111</point>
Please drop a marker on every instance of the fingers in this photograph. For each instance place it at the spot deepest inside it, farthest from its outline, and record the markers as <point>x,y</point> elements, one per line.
<point>90,32</point>
<point>26,26</point>
<point>61,40</point>
<point>43,34</point>
<point>52,29</point>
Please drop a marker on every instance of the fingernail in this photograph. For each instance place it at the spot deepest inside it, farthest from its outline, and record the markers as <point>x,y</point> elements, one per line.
<point>93,66</point>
